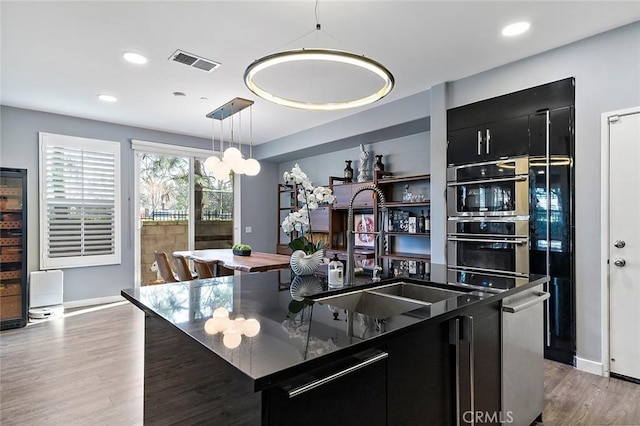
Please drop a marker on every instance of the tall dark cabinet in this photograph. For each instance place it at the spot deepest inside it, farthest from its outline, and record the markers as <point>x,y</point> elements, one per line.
<point>552,228</point>
<point>536,123</point>
<point>13,248</point>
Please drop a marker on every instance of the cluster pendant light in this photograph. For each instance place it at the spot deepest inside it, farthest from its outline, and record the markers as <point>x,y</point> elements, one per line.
<point>231,159</point>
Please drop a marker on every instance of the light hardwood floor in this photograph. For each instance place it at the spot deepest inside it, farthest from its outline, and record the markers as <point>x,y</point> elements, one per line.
<point>87,369</point>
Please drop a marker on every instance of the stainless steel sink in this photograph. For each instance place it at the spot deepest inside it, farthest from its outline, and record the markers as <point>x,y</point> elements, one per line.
<point>416,292</point>
<point>374,305</point>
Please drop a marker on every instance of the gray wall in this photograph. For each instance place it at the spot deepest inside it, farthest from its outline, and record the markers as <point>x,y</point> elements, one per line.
<point>259,204</point>
<point>407,155</point>
<point>19,148</point>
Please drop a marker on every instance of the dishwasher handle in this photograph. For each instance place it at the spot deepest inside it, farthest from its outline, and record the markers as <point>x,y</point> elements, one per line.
<point>316,383</point>
<point>540,297</point>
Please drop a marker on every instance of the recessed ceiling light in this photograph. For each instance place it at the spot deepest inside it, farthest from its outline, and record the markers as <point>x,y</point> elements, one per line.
<point>107,98</point>
<point>515,29</point>
<point>134,58</point>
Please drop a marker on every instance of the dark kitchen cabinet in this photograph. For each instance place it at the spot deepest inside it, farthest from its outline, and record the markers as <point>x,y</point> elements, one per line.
<point>487,142</point>
<point>560,133</point>
<point>446,369</point>
<point>420,377</point>
<point>350,392</point>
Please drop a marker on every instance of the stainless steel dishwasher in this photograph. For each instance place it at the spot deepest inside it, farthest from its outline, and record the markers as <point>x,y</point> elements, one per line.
<point>523,356</point>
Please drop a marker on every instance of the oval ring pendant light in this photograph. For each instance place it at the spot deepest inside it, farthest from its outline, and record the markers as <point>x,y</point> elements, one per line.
<point>319,54</point>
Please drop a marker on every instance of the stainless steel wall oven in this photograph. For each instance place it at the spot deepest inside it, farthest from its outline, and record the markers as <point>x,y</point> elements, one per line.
<point>496,247</point>
<point>496,188</point>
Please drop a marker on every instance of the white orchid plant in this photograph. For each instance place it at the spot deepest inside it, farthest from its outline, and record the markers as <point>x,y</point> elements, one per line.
<point>311,198</point>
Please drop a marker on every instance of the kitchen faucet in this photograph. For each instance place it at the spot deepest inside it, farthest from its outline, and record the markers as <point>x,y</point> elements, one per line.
<point>351,273</point>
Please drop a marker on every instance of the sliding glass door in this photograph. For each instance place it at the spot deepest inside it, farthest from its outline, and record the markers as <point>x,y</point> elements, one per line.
<point>179,206</point>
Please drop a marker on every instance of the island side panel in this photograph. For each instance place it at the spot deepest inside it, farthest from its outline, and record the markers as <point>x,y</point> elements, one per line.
<point>185,383</point>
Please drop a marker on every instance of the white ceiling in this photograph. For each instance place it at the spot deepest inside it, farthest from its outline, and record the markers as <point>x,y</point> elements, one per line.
<point>57,56</point>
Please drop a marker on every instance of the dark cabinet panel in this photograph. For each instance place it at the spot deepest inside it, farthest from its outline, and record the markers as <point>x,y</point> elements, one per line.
<point>560,132</point>
<point>490,142</point>
<point>419,383</point>
<point>465,146</point>
<point>552,95</point>
<point>355,396</point>
<point>506,138</point>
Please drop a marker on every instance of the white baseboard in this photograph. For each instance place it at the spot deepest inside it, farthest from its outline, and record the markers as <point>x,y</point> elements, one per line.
<point>589,366</point>
<point>91,302</point>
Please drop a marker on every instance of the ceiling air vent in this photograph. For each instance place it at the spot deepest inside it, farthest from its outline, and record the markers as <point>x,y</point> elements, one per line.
<point>194,61</point>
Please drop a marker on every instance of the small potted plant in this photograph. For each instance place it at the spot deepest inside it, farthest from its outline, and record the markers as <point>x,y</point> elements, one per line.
<point>241,249</point>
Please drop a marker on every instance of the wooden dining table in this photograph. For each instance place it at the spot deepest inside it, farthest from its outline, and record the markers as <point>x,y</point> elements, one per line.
<point>256,262</point>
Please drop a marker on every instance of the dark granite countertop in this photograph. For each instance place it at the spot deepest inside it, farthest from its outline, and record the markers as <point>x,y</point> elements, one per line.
<point>289,343</point>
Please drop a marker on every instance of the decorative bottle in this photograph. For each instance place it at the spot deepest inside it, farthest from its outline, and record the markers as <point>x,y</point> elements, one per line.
<point>421,223</point>
<point>378,166</point>
<point>336,272</point>
<point>348,171</point>
<point>427,223</point>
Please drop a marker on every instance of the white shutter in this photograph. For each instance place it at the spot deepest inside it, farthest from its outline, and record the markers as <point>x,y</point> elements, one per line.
<point>80,201</point>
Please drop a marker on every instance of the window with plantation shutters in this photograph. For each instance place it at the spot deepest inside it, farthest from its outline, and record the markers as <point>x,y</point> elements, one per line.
<point>79,201</point>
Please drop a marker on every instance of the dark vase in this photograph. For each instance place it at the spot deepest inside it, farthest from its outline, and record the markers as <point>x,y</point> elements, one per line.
<point>378,166</point>
<point>348,171</point>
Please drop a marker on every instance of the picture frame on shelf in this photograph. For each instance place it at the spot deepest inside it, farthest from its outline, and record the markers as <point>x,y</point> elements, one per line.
<point>364,223</point>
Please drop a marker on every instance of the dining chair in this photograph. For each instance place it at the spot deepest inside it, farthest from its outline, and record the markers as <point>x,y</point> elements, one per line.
<point>182,267</point>
<point>203,269</point>
<point>165,267</point>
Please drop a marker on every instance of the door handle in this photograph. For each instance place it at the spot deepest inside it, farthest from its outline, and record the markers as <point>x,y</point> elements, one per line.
<point>468,334</point>
<point>479,142</point>
<point>620,262</point>
<point>454,339</point>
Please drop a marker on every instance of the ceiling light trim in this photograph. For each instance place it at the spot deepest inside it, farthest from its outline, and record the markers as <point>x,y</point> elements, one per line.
<point>516,28</point>
<point>135,58</point>
<point>107,98</point>
<point>319,54</point>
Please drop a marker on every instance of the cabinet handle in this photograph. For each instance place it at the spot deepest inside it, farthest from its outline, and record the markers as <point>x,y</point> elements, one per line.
<point>478,182</point>
<point>316,383</point>
<point>454,339</point>
<point>488,139</point>
<point>479,142</point>
<point>469,334</point>
<point>540,297</point>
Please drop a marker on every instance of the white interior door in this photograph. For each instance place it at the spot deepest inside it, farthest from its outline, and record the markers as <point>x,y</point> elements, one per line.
<point>624,244</point>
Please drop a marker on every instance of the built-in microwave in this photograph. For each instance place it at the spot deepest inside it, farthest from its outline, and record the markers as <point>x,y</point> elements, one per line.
<point>489,245</point>
<point>497,188</point>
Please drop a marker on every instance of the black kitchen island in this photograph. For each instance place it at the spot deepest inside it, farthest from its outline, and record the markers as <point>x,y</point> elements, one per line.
<point>314,363</point>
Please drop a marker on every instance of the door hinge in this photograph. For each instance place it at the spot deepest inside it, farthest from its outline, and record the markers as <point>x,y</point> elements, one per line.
<point>614,118</point>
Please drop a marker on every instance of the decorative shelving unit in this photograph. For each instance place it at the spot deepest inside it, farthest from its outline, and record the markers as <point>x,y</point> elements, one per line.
<point>286,204</point>
<point>408,249</point>
<point>13,248</point>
